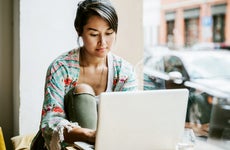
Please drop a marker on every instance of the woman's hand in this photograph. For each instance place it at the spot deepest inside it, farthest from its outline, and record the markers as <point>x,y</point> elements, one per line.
<point>198,129</point>
<point>80,134</point>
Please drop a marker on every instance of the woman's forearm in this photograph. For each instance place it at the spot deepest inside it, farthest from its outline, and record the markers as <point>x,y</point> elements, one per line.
<point>80,134</point>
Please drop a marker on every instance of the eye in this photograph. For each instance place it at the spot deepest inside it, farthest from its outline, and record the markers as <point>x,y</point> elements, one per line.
<point>109,33</point>
<point>94,35</point>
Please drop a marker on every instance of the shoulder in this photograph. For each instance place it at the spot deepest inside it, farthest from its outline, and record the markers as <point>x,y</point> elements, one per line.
<point>124,75</point>
<point>67,57</point>
<point>67,60</point>
<point>120,62</point>
<point>122,68</point>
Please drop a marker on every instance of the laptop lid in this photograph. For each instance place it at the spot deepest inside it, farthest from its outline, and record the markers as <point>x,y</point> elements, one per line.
<point>141,119</point>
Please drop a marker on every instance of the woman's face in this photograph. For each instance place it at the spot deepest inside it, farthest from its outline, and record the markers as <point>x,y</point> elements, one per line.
<point>98,37</point>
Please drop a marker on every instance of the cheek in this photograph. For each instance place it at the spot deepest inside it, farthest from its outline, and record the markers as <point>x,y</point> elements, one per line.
<point>111,40</point>
<point>88,41</point>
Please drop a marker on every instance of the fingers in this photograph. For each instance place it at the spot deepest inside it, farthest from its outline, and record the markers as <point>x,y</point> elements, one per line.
<point>198,129</point>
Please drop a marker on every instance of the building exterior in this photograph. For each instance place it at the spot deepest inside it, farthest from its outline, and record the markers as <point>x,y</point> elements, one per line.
<point>151,23</point>
<point>187,22</point>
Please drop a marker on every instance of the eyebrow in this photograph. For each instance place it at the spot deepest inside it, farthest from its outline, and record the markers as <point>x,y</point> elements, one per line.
<point>97,30</point>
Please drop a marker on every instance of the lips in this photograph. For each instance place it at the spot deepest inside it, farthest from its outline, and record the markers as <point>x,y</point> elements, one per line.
<point>101,49</point>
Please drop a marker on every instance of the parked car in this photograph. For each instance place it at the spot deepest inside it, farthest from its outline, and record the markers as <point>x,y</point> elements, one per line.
<point>204,46</point>
<point>205,73</point>
<point>209,45</point>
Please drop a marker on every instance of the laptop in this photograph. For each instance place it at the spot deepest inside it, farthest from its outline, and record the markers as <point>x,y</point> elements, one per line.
<point>140,120</point>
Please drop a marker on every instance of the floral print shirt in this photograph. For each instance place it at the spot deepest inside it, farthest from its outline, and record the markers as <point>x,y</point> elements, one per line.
<point>62,75</point>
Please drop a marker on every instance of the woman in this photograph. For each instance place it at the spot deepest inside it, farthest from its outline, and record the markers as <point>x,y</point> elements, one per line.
<point>75,79</point>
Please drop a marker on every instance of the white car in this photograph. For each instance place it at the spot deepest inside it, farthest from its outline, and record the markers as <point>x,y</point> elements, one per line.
<point>205,73</point>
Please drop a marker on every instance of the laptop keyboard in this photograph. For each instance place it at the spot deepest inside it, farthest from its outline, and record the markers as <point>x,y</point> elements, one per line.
<point>84,146</point>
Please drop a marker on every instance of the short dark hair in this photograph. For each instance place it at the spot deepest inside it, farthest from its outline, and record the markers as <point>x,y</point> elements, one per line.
<point>101,8</point>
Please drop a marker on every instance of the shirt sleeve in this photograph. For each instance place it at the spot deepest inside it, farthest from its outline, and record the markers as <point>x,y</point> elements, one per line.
<point>130,79</point>
<point>125,78</point>
<point>53,119</point>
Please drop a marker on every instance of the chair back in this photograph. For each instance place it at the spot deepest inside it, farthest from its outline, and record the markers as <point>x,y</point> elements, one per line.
<point>2,142</point>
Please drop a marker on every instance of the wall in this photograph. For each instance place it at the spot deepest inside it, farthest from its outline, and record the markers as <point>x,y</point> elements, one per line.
<point>46,31</point>
<point>130,33</point>
<point>6,53</point>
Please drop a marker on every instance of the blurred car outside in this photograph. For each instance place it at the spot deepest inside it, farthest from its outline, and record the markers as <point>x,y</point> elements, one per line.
<point>205,73</point>
<point>204,46</point>
<point>150,51</point>
<point>210,46</point>
<point>224,46</point>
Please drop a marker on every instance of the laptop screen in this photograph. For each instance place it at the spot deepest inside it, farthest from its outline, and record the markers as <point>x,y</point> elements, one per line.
<point>141,120</point>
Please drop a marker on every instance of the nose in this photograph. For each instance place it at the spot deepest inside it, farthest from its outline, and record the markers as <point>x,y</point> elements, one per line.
<point>102,40</point>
